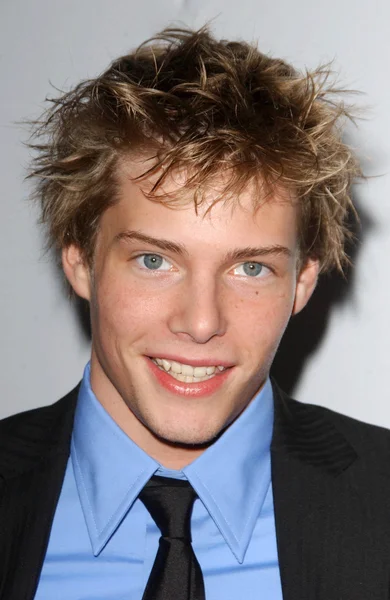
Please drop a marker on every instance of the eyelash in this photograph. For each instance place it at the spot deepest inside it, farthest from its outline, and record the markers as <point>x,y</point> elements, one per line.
<point>260,276</point>
<point>145,254</point>
<point>253,262</point>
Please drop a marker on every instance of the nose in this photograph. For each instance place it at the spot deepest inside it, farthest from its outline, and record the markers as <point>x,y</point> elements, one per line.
<point>198,312</point>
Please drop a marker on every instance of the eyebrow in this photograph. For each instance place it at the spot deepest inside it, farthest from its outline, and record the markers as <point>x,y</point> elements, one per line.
<point>147,239</point>
<point>232,255</point>
<point>253,252</point>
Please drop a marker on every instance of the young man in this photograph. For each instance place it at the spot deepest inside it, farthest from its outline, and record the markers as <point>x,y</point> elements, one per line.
<point>195,190</point>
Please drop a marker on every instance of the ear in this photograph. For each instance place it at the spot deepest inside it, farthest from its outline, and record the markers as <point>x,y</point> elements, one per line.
<point>77,271</point>
<point>306,283</point>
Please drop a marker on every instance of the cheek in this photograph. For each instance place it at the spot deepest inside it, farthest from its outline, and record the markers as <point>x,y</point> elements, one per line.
<point>120,309</point>
<point>260,324</point>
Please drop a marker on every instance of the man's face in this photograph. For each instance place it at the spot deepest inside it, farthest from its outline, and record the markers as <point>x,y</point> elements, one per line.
<point>187,309</point>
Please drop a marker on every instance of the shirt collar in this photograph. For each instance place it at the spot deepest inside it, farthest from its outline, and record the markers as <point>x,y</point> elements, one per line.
<point>231,477</point>
<point>110,469</point>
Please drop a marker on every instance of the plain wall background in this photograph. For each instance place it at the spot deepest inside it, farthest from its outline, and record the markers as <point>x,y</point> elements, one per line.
<point>343,353</point>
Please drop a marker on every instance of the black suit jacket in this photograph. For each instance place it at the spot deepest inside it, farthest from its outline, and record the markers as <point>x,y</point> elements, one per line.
<point>331,483</point>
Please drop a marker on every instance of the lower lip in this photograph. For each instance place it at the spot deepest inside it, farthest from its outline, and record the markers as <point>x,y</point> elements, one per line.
<point>193,390</point>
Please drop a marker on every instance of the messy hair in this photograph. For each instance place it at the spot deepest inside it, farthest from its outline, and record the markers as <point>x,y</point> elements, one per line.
<point>208,107</point>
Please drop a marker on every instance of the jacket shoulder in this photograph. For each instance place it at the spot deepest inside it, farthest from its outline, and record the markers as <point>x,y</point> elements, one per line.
<point>34,435</point>
<point>323,435</point>
<point>364,436</point>
<point>370,442</point>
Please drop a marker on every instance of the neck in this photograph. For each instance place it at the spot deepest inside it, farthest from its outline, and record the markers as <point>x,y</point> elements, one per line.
<point>168,454</point>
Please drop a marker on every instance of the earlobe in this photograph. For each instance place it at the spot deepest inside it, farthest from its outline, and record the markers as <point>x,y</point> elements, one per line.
<point>76,270</point>
<point>306,284</point>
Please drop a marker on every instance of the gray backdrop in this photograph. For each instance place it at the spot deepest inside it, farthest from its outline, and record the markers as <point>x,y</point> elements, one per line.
<point>337,353</point>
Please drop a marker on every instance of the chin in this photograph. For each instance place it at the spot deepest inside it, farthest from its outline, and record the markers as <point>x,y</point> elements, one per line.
<point>185,437</point>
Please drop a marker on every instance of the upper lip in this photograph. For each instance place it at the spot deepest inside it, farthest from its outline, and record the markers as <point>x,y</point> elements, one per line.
<point>194,362</point>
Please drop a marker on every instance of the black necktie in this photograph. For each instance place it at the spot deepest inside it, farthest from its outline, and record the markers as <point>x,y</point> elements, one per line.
<point>176,574</point>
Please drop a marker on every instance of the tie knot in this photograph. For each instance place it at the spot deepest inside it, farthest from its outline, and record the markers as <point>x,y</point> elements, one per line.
<point>169,502</point>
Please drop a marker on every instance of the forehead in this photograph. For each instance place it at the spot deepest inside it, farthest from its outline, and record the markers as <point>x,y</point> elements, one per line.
<point>256,215</point>
<point>174,183</point>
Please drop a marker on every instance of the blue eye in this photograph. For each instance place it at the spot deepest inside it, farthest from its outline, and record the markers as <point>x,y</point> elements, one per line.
<point>153,262</point>
<point>251,269</point>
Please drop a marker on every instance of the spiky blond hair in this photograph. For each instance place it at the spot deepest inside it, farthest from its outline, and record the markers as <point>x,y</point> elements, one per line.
<point>209,107</point>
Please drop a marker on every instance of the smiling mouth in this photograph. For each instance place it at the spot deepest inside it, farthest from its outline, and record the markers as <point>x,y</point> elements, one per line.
<point>187,373</point>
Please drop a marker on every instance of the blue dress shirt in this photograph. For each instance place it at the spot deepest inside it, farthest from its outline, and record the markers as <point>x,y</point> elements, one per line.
<point>103,541</point>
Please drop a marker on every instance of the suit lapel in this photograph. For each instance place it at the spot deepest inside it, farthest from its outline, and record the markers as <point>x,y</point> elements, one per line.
<point>309,459</point>
<point>34,454</point>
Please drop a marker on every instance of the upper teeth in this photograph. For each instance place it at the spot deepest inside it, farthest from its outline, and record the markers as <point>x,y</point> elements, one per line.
<point>179,368</point>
